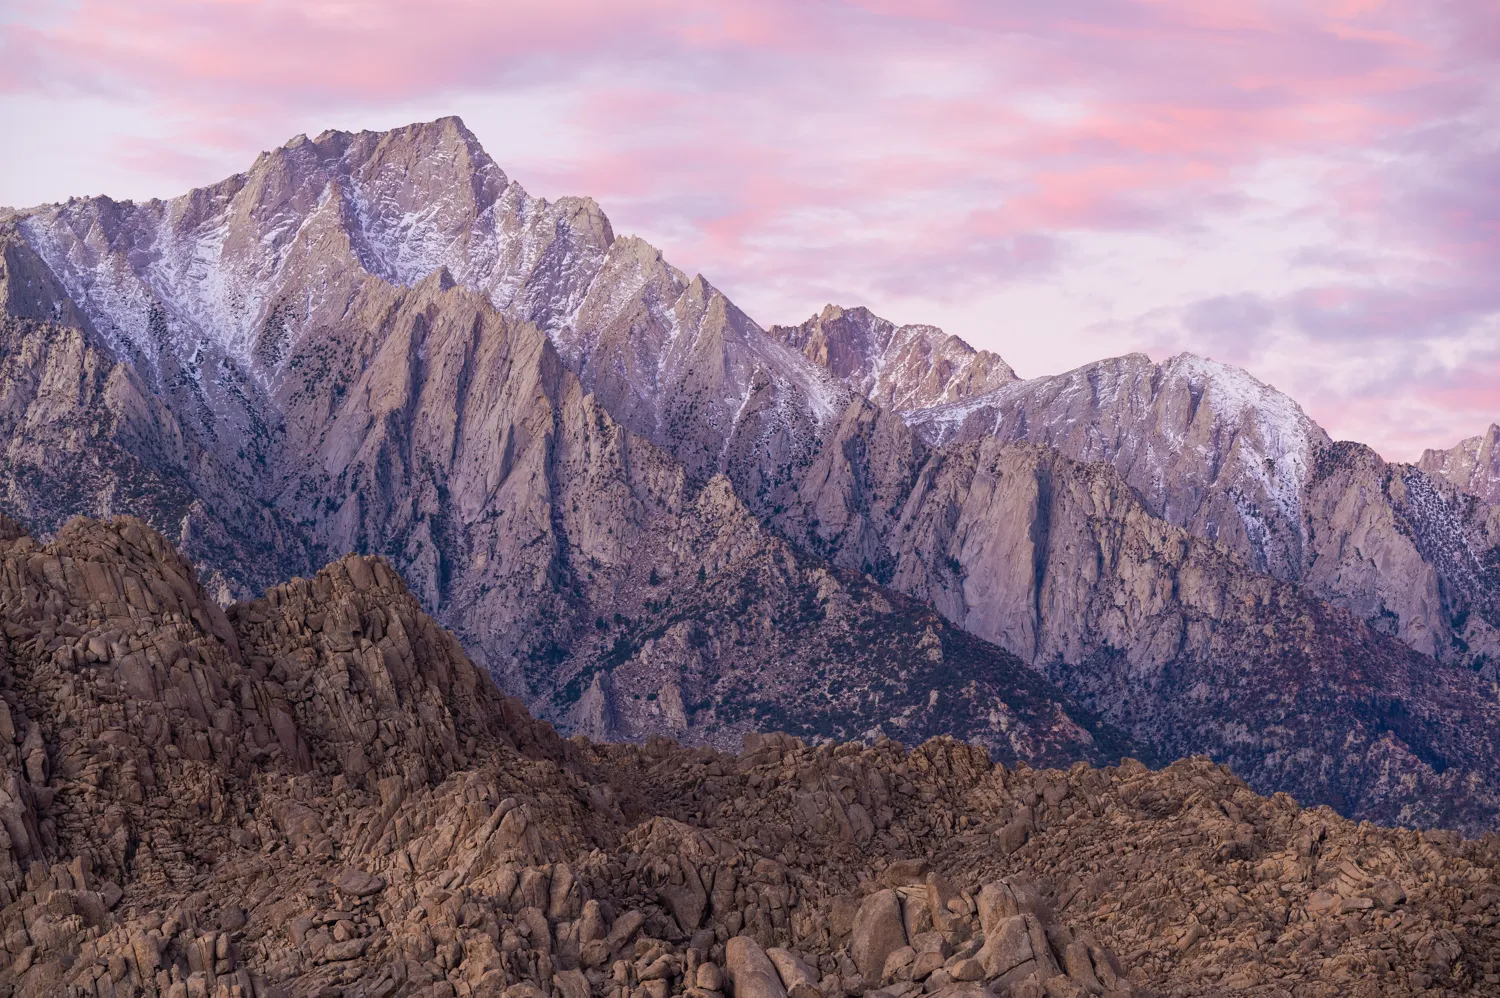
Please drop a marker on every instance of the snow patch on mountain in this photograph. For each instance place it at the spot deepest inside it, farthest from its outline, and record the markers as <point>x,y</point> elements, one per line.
<point>1205,444</point>
<point>1276,442</point>
<point>900,368</point>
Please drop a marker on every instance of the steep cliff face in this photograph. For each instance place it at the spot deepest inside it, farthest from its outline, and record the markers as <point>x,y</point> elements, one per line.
<point>1173,639</point>
<point>216,292</point>
<point>626,498</point>
<point>1209,449</point>
<point>247,310</point>
<point>585,566</point>
<point>900,368</point>
<point>1206,446</point>
<point>83,432</point>
<point>768,637</point>
<point>1407,552</point>
<point>1473,465</point>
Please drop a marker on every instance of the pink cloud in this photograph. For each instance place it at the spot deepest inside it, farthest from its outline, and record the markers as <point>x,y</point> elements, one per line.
<point>856,148</point>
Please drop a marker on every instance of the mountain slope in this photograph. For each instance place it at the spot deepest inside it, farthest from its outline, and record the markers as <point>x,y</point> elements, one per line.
<point>1208,448</point>
<point>901,368</point>
<point>1169,637</point>
<point>84,433</point>
<point>644,515</point>
<point>1473,465</point>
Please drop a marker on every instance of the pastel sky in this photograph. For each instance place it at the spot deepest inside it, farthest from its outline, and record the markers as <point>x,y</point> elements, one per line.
<point>1307,188</point>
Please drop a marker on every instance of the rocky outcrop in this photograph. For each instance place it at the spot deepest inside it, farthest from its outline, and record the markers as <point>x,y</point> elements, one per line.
<point>1171,638</point>
<point>900,368</point>
<point>1473,465</point>
<point>316,793</point>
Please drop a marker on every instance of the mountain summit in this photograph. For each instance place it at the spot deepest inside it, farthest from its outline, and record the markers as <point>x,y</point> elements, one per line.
<point>645,514</point>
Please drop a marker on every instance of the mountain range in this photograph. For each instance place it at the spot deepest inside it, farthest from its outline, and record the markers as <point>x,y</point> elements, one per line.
<point>644,514</point>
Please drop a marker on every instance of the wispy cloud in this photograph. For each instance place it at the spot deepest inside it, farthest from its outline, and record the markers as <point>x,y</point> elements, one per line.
<point>1307,188</point>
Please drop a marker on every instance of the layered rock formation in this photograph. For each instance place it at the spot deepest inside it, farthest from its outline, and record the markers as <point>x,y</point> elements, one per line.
<point>316,793</point>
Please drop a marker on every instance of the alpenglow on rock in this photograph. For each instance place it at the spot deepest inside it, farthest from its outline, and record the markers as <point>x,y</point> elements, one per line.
<point>644,514</point>
<point>1473,465</point>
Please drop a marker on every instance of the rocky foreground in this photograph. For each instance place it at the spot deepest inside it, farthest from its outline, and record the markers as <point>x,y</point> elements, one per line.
<point>316,793</point>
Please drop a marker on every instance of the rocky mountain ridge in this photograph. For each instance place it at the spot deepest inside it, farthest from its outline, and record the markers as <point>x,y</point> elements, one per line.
<point>377,342</point>
<point>1208,448</point>
<point>901,368</point>
<point>1473,465</point>
<point>316,793</point>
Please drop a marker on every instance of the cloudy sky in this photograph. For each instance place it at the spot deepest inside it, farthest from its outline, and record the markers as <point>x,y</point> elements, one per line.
<point>1307,188</point>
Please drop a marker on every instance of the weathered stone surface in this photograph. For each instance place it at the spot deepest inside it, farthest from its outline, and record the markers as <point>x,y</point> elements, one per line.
<point>317,792</point>
<point>520,409</point>
<point>750,971</point>
<point>901,368</point>
<point>360,884</point>
<point>1473,465</point>
<point>877,933</point>
<point>791,968</point>
<point>1007,945</point>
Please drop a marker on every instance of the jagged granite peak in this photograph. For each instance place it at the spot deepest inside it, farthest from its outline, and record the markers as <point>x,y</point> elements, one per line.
<point>1206,445</point>
<point>679,363</point>
<point>315,793</point>
<point>228,267</point>
<point>1171,638</point>
<point>568,446</point>
<point>901,368</point>
<point>1472,464</point>
<point>1209,448</point>
<point>222,285</point>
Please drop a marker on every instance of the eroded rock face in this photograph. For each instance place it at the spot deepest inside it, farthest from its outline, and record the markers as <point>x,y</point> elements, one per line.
<point>316,793</point>
<point>643,515</point>
<point>282,316</point>
<point>1207,448</point>
<point>1473,465</point>
<point>84,432</point>
<point>1409,553</point>
<point>1172,638</point>
<point>900,368</point>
